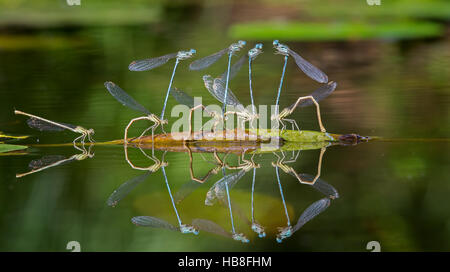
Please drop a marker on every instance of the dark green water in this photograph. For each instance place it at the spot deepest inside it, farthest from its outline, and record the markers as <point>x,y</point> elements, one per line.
<point>392,192</point>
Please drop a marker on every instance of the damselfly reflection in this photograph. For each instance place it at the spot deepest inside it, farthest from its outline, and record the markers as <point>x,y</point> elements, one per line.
<point>43,124</point>
<point>282,164</point>
<point>50,161</point>
<point>123,190</point>
<point>128,186</point>
<point>221,192</point>
<point>126,100</point>
<point>147,64</point>
<point>314,209</point>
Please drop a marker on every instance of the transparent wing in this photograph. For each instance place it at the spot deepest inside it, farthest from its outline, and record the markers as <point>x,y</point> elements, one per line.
<point>218,190</point>
<point>148,64</point>
<point>219,87</point>
<point>124,98</point>
<point>185,190</point>
<point>211,227</point>
<point>309,69</point>
<point>234,69</point>
<point>216,88</point>
<point>153,222</point>
<point>321,186</point>
<point>312,211</point>
<point>205,62</point>
<point>125,189</point>
<point>319,94</point>
<point>45,161</point>
<point>45,126</point>
<point>182,97</point>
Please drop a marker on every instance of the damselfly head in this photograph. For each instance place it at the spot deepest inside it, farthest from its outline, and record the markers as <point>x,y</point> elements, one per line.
<point>184,228</point>
<point>254,52</point>
<point>258,229</point>
<point>240,237</point>
<point>259,46</point>
<point>275,43</point>
<point>236,46</point>
<point>91,131</point>
<point>182,55</point>
<point>207,77</point>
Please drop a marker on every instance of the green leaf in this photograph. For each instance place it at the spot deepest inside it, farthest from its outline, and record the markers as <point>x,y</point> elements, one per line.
<point>8,147</point>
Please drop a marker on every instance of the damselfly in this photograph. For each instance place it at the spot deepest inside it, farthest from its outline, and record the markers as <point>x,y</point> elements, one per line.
<point>43,124</point>
<point>147,64</point>
<point>304,101</point>
<point>251,55</point>
<point>309,69</point>
<point>207,61</point>
<point>126,100</point>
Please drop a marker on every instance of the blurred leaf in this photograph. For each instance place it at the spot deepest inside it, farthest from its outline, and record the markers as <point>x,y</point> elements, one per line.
<point>296,31</point>
<point>8,147</point>
<point>5,137</point>
<point>399,8</point>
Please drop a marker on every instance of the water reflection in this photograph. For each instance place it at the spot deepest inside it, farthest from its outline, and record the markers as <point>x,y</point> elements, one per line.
<point>221,192</point>
<point>50,161</point>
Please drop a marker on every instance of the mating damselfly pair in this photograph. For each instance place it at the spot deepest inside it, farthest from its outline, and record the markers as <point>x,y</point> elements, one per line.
<point>218,88</point>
